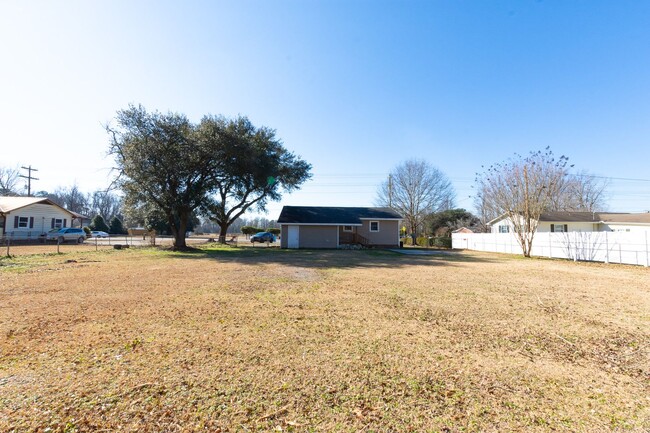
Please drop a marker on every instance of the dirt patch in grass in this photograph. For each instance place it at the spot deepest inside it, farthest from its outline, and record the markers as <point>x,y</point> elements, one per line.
<point>260,339</point>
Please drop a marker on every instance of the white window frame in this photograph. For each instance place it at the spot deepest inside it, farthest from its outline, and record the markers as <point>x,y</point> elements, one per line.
<point>347,228</point>
<point>23,224</point>
<point>58,223</point>
<point>504,229</point>
<point>370,226</point>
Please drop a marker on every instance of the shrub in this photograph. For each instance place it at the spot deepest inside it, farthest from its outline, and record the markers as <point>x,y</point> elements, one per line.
<point>442,242</point>
<point>116,227</point>
<point>275,231</point>
<point>99,224</point>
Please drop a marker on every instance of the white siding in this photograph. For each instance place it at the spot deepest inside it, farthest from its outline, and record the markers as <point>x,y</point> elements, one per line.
<point>545,227</point>
<point>632,228</point>
<point>42,214</point>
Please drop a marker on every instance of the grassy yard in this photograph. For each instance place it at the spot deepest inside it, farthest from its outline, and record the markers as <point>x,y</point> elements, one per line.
<point>260,339</point>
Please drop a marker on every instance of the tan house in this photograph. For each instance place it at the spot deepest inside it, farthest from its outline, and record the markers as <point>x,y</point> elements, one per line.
<point>335,227</point>
<point>31,217</point>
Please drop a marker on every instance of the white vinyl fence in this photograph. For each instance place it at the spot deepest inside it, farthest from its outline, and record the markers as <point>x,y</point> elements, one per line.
<point>608,247</point>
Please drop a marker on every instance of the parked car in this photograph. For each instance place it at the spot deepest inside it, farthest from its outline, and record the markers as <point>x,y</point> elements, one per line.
<point>263,237</point>
<point>66,234</point>
<point>98,234</point>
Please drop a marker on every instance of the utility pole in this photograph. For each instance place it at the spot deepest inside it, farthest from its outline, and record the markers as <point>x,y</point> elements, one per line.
<point>29,179</point>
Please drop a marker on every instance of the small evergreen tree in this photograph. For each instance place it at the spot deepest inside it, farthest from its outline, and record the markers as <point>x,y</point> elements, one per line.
<point>98,224</point>
<point>116,227</point>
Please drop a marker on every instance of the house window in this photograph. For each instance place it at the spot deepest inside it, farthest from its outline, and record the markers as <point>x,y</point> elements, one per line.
<point>559,228</point>
<point>504,229</point>
<point>347,228</point>
<point>58,223</point>
<point>374,226</point>
<point>23,222</point>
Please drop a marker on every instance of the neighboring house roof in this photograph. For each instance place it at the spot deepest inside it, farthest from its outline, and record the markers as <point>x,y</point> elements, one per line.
<point>623,218</point>
<point>569,217</point>
<point>80,216</point>
<point>334,215</point>
<point>463,230</point>
<point>10,204</point>
<point>590,217</point>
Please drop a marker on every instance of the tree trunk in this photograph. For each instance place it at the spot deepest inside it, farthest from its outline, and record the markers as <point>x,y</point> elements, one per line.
<point>179,232</point>
<point>223,230</point>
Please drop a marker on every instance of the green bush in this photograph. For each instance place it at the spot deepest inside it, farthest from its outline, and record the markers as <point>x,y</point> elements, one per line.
<point>275,231</point>
<point>442,242</point>
<point>99,224</point>
<point>116,227</point>
<point>87,230</point>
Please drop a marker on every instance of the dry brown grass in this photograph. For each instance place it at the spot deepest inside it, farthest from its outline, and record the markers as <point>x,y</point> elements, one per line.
<point>265,339</point>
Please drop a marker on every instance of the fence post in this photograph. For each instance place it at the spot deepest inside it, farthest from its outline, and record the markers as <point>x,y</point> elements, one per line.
<point>647,260</point>
<point>606,247</point>
<point>8,242</point>
<point>550,246</point>
<point>58,242</point>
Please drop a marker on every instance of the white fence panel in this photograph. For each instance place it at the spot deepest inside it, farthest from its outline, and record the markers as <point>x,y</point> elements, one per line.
<point>608,247</point>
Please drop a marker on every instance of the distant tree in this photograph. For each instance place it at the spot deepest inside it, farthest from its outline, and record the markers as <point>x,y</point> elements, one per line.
<point>581,192</point>
<point>415,189</point>
<point>98,224</point>
<point>444,222</point>
<point>248,230</point>
<point>255,168</point>
<point>522,188</point>
<point>116,227</point>
<point>106,204</point>
<point>485,212</point>
<point>9,178</point>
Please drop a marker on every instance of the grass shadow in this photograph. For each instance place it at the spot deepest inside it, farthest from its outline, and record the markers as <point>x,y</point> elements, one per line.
<point>341,259</point>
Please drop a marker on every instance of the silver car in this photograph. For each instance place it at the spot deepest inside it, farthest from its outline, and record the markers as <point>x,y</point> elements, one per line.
<point>66,234</point>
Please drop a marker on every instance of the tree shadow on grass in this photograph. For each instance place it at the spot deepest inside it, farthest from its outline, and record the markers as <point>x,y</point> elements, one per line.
<point>338,259</point>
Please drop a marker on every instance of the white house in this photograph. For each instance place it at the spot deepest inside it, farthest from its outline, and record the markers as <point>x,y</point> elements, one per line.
<point>561,222</point>
<point>30,217</point>
<point>591,236</point>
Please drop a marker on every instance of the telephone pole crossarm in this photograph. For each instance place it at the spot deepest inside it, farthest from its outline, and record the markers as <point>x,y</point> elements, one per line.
<point>29,178</point>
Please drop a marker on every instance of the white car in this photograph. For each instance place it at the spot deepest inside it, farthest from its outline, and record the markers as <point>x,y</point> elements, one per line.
<point>98,234</point>
<point>66,234</point>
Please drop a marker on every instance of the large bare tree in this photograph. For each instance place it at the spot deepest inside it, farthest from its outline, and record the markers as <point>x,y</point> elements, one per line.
<point>415,189</point>
<point>581,192</point>
<point>522,188</point>
<point>9,178</point>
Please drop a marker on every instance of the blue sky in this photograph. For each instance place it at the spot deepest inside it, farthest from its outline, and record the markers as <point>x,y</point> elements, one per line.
<point>354,87</point>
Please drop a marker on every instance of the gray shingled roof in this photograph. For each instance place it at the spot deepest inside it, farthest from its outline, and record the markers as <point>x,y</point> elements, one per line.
<point>334,215</point>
